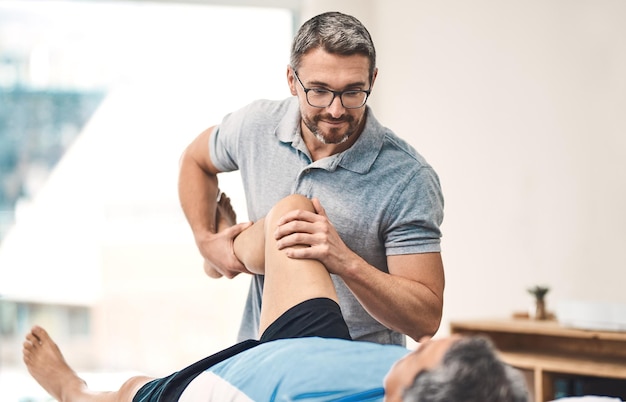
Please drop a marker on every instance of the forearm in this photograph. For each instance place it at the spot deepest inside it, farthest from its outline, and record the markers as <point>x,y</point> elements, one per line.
<point>408,299</point>
<point>404,305</point>
<point>197,191</point>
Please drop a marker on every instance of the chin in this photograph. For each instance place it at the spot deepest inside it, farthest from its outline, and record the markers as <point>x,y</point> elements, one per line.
<point>332,138</point>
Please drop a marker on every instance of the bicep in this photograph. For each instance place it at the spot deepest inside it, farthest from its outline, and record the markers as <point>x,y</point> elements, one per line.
<point>198,151</point>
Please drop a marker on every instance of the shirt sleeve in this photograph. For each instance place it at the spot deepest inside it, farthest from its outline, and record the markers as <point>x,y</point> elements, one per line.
<point>225,143</point>
<point>416,216</point>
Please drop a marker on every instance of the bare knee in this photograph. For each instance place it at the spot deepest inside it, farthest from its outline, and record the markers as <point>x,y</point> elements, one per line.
<point>295,201</point>
<point>129,389</point>
<point>290,203</point>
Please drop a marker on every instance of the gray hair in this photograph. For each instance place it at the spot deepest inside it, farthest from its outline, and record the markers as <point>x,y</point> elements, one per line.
<point>336,33</point>
<point>470,372</point>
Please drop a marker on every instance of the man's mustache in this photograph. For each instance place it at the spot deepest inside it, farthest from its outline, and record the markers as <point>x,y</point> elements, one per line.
<point>346,119</point>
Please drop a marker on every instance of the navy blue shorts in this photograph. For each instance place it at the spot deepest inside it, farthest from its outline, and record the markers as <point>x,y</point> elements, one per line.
<point>316,317</point>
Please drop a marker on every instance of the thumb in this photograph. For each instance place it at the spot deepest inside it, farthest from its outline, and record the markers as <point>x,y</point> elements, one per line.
<point>238,228</point>
<point>318,207</point>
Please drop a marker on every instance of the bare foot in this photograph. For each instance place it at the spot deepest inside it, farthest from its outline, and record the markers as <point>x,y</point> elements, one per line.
<point>225,215</point>
<point>249,245</point>
<point>46,364</point>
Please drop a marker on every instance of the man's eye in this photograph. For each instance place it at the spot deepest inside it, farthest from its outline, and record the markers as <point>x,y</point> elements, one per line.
<point>353,94</point>
<point>320,92</point>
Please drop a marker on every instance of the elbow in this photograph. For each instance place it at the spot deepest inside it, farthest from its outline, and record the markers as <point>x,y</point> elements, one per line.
<point>426,324</point>
<point>428,331</point>
<point>433,326</point>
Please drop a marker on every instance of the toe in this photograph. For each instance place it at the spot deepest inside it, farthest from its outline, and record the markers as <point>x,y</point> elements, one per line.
<point>31,340</point>
<point>40,333</point>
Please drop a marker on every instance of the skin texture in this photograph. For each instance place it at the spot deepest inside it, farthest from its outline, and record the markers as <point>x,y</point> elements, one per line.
<point>288,282</point>
<point>337,126</point>
<point>47,365</point>
<point>408,299</point>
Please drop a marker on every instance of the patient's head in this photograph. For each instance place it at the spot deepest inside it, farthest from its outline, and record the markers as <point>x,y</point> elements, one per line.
<point>455,369</point>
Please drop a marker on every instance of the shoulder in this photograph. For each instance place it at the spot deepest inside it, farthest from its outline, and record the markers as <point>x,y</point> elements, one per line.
<point>392,146</point>
<point>259,116</point>
<point>409,175</point>
<point>400,160</point>
<point>399,148</point>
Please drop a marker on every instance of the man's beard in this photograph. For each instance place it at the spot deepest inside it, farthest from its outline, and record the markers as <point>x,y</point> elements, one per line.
<point>333,136</point>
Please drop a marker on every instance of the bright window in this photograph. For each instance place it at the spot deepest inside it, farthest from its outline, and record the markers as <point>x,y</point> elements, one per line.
<point>97,102</point>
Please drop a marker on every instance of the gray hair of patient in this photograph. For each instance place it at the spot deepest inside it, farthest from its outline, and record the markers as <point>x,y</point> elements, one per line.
<point>336,33</point>
<point>470,372</point>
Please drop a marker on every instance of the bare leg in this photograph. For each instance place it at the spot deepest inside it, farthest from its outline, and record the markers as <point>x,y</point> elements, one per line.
<point>249,245</point>
<point>225,215</point>
<point>289,281</point>
<point>46,364</point>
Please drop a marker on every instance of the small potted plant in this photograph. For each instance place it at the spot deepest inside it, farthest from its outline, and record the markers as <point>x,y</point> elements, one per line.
<point>539,293</point>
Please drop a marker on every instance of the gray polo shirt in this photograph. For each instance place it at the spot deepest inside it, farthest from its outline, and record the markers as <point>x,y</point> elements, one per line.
<point>382,196</point>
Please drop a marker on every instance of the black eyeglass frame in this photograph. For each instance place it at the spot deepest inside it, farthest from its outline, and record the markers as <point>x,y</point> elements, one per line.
<point>367,93</point>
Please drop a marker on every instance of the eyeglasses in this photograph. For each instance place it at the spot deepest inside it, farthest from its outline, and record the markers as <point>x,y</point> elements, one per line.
<point>319,97</point>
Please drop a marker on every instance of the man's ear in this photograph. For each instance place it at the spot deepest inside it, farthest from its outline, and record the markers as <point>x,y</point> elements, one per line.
<point>291,81</point>
<point>374,75</point>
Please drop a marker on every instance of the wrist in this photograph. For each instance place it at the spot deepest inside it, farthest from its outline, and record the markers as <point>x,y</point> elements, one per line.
<point>203,236</point>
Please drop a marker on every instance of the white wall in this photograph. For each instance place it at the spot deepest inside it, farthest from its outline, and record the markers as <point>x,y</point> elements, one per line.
<point>520,107</point>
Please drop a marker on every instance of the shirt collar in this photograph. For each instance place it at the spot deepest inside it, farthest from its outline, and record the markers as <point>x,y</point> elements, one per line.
<point>359,158</point>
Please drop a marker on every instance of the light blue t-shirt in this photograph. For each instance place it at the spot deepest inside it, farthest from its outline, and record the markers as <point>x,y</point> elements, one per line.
<point>303,369</point>
<point>380,194</point>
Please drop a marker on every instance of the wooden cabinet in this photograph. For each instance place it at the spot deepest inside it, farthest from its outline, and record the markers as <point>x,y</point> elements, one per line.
<point>553,357</point>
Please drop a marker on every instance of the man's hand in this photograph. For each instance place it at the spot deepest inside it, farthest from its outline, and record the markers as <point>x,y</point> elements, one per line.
<point>407,299</point>
<point>218,254</point>
<point>315,231</point>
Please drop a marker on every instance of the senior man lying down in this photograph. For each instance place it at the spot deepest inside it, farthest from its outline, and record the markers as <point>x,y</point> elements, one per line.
<point>305,352</point>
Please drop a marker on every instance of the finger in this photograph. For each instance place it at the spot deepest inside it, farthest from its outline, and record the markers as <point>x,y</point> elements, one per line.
<point>237,268</point>
<point>318,207</point>
<point>231,274</point>
<point>302,253</point>
<point>234,230</point>
<point>213,272</point>
<point>297,215</point>
<point>296,239</point>
<point>293,228</point>
<point>210,270</point>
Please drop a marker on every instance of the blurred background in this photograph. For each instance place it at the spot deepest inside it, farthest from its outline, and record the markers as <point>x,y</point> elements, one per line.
<point>97,102</point>
<point>518,105</point>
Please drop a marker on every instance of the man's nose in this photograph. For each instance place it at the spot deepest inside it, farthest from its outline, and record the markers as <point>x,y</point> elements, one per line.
<point>336,108</point>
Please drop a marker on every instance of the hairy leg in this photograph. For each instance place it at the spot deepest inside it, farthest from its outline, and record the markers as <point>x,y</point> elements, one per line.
<point>289,281</point>
<point>48,367</point>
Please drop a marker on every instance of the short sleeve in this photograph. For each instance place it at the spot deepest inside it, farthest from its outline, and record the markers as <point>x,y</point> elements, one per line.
<point>416,216</point>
